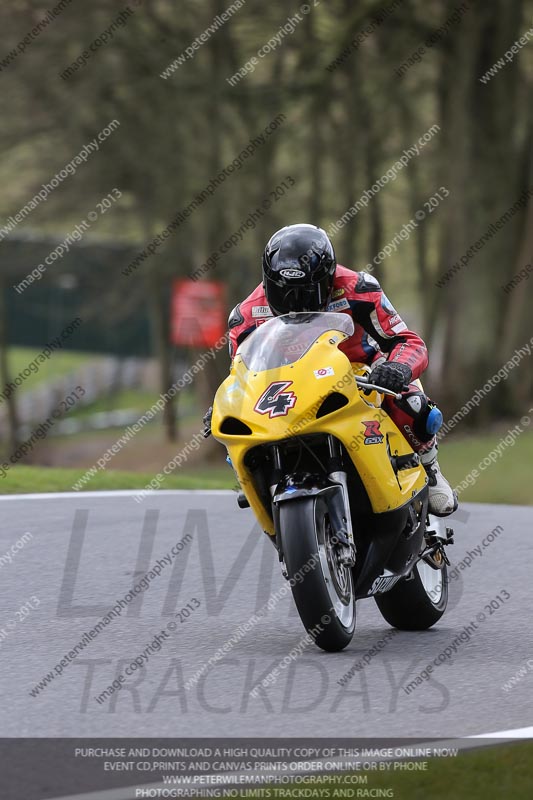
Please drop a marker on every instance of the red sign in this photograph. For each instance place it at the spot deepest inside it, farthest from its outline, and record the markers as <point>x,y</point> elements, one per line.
<point>198,313</point>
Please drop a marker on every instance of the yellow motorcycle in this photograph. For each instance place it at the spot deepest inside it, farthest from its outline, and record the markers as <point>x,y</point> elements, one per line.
<point>331,479</point>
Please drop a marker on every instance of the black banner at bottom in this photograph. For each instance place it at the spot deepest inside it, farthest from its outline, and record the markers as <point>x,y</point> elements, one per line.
<point>127,769</point>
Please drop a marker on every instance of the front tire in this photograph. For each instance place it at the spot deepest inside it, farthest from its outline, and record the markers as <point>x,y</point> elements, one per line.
<point>418,601</point>
<point>322,588</point>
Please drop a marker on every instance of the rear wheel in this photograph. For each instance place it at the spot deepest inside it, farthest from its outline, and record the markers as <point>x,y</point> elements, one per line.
<point>321,586</point>
<point>418,601</point>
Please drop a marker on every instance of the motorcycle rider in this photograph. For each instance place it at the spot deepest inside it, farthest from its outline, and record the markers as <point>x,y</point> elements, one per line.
<point>300,273</point>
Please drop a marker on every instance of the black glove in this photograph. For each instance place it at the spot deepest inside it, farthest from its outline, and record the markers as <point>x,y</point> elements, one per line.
<point>207,422</point>
<point>391,375</point>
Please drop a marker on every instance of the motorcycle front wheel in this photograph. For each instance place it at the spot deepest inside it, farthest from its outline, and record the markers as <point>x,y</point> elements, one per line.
<point>322,587</point>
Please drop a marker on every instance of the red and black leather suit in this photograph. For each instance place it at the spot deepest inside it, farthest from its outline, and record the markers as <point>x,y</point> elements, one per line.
<point>379,332</point>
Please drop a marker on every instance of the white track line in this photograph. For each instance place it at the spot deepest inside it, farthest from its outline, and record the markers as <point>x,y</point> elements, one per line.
<point>108,794</point>
<point>118,493</point>
<point>514,733</point>
<point>498,737</point>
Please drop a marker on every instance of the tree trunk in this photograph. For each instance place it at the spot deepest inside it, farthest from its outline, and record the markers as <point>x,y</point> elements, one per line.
<point>459,70</point>
<point>159,315</point>
<point>5,376</point>
<point>426,289</point>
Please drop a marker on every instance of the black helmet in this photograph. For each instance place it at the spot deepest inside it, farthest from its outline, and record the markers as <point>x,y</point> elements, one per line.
<point>298,269</point>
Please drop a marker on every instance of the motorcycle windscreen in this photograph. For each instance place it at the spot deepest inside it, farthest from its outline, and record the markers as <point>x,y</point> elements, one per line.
<point>283,340</point>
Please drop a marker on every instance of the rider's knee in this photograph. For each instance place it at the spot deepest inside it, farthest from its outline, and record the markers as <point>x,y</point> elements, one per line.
<point>425,416</point>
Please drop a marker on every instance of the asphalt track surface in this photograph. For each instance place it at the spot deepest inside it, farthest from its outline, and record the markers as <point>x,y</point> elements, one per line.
<point>88,550</point>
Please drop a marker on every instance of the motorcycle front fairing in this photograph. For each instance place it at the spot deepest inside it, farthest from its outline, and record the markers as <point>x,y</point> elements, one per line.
<point>290,379</point>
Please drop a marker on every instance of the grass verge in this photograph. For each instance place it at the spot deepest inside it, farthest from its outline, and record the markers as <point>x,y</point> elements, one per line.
<point>60,363</point>
<point>505,481</point>
<point>26,480</point>
<point>494,773</point>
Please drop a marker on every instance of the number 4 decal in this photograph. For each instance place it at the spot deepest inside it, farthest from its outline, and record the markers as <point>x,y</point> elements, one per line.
<point>275,401</point>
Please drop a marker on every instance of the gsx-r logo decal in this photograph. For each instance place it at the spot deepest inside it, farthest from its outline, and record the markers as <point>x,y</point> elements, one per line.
<point>372,433</point>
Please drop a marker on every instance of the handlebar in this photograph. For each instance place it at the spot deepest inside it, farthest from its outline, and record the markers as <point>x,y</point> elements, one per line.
<point>363,383</point>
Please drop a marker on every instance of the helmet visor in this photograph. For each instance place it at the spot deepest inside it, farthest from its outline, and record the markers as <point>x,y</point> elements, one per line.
<point>283,297</point>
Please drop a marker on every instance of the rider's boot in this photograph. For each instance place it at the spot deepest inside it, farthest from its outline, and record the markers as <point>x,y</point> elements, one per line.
<point>442,498</point>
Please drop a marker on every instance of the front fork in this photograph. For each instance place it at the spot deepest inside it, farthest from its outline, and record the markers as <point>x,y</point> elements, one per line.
<point>337,497</point>
<point>341,517</point>
<point>437,538</point>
